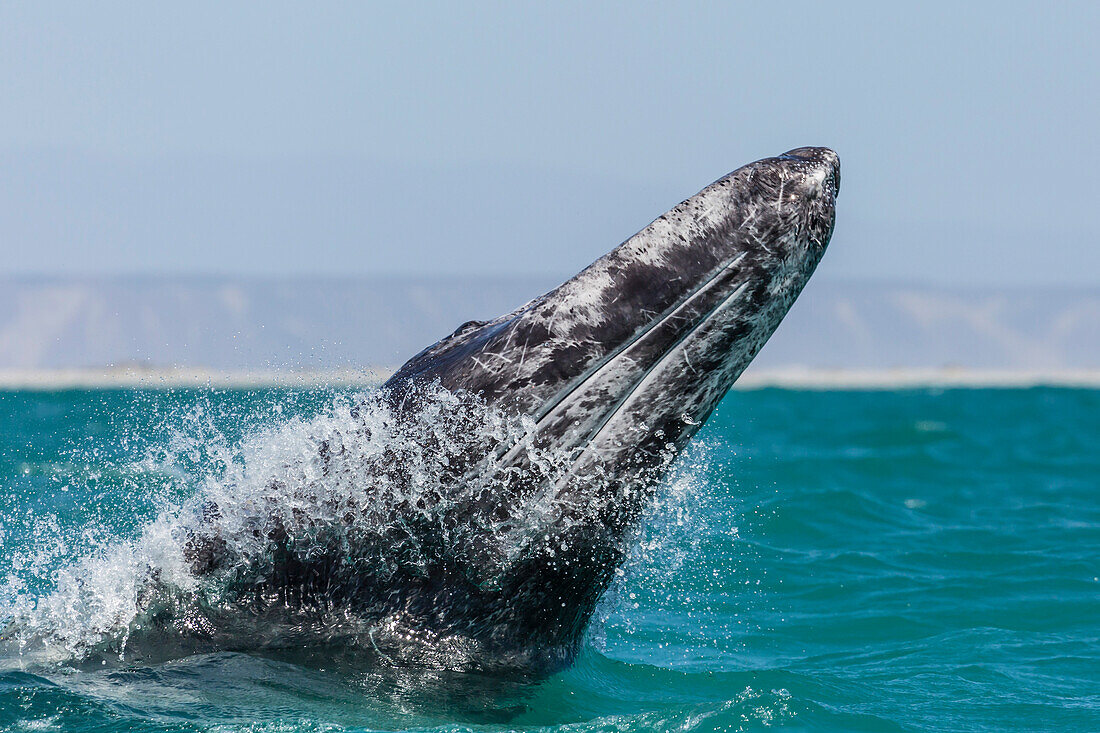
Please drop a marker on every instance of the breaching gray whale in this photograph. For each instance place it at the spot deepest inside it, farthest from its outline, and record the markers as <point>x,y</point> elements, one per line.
<point>505,548</point>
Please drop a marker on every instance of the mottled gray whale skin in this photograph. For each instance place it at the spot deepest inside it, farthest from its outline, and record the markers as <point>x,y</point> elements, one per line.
<point>612,373</point>
<point>618,368</point>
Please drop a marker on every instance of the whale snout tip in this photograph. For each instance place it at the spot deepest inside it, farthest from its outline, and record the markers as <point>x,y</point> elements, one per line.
<point>818,156</point>
<point>820,165</point>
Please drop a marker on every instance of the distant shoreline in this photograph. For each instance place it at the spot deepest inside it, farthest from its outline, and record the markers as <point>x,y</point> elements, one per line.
<point>799,378</point>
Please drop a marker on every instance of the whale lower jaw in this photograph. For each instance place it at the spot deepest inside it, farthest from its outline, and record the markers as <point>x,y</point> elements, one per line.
<point>610,370</point>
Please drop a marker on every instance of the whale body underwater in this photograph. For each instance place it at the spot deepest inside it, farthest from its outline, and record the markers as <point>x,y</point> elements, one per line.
<point>470,512</point>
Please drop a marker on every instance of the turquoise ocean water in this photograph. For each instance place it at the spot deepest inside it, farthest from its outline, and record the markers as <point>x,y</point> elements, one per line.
<point>842,560</point>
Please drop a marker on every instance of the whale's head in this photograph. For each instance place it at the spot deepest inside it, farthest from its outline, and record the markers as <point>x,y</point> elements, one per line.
<point>640,346</point>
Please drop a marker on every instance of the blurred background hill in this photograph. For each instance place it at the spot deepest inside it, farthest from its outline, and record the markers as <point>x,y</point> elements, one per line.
<point>331,323</point>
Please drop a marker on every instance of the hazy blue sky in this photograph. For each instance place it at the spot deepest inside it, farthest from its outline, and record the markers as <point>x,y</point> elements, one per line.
<point>345,139</point>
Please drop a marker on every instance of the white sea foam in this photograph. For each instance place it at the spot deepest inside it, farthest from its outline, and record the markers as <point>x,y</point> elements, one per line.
<point>356,485</point>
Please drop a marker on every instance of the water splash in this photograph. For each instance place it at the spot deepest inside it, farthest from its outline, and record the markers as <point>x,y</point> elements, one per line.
<point>297,533</point>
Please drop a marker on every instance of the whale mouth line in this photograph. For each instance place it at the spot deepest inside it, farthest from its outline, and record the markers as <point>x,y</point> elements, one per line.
<point>552,407</point>
<point>656,366</point>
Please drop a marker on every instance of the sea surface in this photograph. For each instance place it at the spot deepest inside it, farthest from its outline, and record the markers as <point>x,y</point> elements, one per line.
<point>915,560</point>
